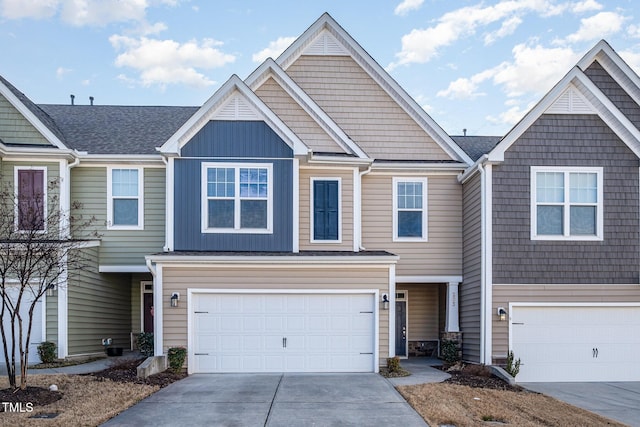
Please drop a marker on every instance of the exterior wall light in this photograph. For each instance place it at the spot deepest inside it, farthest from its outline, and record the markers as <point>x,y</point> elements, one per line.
<point>502,314</point>
<point>175,297</point>
<point>385,302</point>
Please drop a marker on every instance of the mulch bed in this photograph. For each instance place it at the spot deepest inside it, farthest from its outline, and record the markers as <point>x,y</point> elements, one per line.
<point>477,376</point>
<point>125,372</point>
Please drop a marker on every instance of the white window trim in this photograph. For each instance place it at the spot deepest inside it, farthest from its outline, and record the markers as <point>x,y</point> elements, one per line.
<point>204,211</point>
<point>566,223</point>
<point>45,196</point>
<point>140,198</point>
<point>425,215</point>
<point>311,219</point>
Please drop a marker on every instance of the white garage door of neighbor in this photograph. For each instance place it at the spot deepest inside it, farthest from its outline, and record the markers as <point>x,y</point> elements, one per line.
<point>283,332</point>
<point>576,343</point>
<point>36,329</point>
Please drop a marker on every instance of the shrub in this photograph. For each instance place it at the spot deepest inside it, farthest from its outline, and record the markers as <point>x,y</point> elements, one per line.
<point>145,343</point>
<point>393,364</point>
<point>449,351</point>
<point>513,366</point>
<point>176,356</point>
<point>47,351</point>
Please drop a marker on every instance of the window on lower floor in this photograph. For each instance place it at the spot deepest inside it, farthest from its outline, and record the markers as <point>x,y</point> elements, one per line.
<point>566,203</point>
<point>410,209</point>
<point>236,198</point>
<point>325,213</point>
<point>125,209</point>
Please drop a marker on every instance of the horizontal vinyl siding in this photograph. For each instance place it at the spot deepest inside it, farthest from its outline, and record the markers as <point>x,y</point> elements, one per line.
<point>180,279</point>
<point>99,307</point>
<point>504,294</point>
<point>442,254</point>
<point>15,129</point>
<point>305,206</point>
<point>363,109</point>
<point>470,289</point>
<point>52,319</point>
<point>296,118</point>
<point>121,247</point>
<point>423,309</point>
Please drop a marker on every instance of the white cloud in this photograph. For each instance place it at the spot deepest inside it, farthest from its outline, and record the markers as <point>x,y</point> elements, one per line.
<point>597,27</point>
<point>61,72</point>
<point>509,117</point>
<point>274,49</point>
<point>36,9</point>
<point>507,28</point>
<point>406,6</point>
<point>162,62</point>
<point>632,59</point>
<point>586,6</point>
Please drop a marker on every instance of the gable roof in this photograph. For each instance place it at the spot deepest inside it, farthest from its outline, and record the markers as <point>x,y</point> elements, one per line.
<point>30,111</point>
<point>476,146</point>
<point>251,105</point>
<point>269,68</point>
<point>341,43</point>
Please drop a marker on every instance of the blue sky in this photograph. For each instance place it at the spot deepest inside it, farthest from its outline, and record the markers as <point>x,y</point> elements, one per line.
<point>471,64</point>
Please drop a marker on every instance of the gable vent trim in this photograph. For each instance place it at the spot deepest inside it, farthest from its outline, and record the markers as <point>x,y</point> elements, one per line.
<point>326,45</point>
<point>571,101</point>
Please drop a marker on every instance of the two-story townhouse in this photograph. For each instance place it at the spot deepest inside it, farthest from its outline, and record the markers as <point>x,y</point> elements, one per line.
<point>552,228</point>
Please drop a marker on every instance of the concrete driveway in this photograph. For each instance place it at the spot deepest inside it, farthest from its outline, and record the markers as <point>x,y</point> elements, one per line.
<point>273,400</point>
<point>619,401</point>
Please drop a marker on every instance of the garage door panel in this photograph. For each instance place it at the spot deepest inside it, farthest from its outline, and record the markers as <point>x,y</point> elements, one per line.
<point>324,333</point>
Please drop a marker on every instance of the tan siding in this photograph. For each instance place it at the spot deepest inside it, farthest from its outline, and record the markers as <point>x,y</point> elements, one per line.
<point>441,255</point>
<point>503,295</point>
<point>363,109</point>
<point>15,129</point>
<point>422,302</point>
<point>470,288</point>
<point>305,208</point>
<point>99,307</point>
<point>296,118</point>
<point>122,247</point>
<point>180,279</point>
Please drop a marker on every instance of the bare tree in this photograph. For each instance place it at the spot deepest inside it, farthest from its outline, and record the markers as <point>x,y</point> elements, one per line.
<point>37,251</point>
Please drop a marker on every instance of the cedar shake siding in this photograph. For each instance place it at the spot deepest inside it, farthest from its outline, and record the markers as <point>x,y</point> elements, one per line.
<point>469,291</point>
<point>614,92</point>
<point>566,140</point>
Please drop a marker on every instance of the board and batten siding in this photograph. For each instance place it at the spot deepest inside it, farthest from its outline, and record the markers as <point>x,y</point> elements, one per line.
<point>121,247</point>
<point>259,277</point>
<point>346,179</point>
<point>99,307</point>
<point>363,109</point>
<point>442,253</point>
<point>566,141</point>
<point>16,129</point>
<point>505,294</point>
<point>422,311</point>
<point>470,289</point>
<point>296,118</point>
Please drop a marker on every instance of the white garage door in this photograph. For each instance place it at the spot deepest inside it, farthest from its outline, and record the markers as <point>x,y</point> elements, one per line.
<point>576,343</point>
<point>36,329</point>
<point>282,332</point>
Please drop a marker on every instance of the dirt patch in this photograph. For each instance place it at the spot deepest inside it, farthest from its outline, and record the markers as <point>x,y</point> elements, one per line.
<point>477,376</point>
<point>127,373</point>
<point>36,396</point>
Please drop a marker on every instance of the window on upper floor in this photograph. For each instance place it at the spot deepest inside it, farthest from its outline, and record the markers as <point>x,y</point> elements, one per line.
<point>409,209</point>
<point>31,198</point>
<point>325,210</point>
<point>125,204</point>
<point>566,203</point>
<point>237,198</point>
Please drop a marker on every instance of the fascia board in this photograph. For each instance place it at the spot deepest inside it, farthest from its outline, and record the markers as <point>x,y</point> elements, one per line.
<point>31,118</point>
<point>222,261</point>
<point>269,68</point>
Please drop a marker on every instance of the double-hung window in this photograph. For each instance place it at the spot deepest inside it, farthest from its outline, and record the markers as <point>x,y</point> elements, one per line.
<point>31,198</point>
<point>237,198</point>
<point>325,210</point>
<point>566,203</point>
<point>409,209</point>
<point>125,204</point>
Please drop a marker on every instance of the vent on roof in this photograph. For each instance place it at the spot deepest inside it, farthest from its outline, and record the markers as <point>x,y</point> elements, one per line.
<point>236,108</point>
<point>570,102</point>
<point>326,44</point>
<point>73,97</point>
<point>91,100</point>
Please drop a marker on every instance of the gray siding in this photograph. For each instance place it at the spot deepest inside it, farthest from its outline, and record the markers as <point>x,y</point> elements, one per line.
<point>233,141</point>
<point>614,92</point>
<point>470,309</point>
<point>566,140</point>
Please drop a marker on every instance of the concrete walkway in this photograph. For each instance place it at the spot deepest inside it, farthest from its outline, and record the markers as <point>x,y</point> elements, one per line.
<point>422,371</point>
<point>82,368</point>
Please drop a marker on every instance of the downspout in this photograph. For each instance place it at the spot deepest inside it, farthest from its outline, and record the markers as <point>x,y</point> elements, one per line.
<point>359,208</point>
<point>483,248</point>
<point>158,311</point>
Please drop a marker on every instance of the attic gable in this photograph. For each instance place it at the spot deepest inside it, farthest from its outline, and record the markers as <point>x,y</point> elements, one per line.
<point>236,108</point>
<point>571,101</point>
<point>325,44</point>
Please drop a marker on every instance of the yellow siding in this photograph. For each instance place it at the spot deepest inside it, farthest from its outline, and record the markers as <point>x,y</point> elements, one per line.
<point>259,277</point>
<point>363,109</point>
<point>296,118</point>
<point>305,208</point>
<point>504,294</point>
<point>442,253</point>
<point>15,129</point>
<point>422,311</point>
